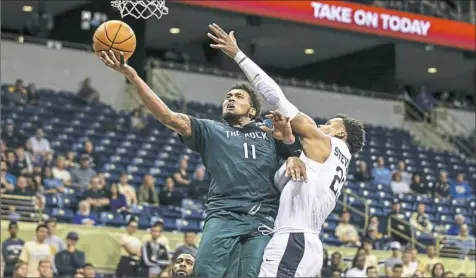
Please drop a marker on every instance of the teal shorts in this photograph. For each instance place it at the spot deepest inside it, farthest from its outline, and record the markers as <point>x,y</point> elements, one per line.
<point>231,246</point>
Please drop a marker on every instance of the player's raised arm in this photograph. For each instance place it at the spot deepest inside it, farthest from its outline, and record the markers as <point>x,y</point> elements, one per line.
<point>178,122</point>
<point>301,124</point>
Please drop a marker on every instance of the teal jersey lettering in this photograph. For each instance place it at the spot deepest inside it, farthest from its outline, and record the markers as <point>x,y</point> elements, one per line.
<point>241,162</point>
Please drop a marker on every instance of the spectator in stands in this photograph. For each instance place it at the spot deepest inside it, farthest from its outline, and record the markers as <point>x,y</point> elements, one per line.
<point>370,259</point>
<point>358,267</point>
<point>89,271</point>
<point>397,271</point>
<point>95,159</point>
<point>162,238</point>
<point>464,232</point>
<point>17,94</point>
<point>96,197</point>
<point>87,94</point>
<point>35,251</point>
<point>409,268</point>
<point>39,143</point>
<point>336,262</point>
<point>70,260</point>
<point>449,274</point>
<point>47,160</point>
<point>70,162</point>
<point>426,103</point>
<point>60,172</point>
<point>420,220</point>
<point>460,189</point>
<point>346,232</point>
<point>12,214</point>
<point>398,228</point>
<point>127,190</point>
<point>181,177</point>
<point>45,269</point>
<point>455,228</point>
<point>22,188</point>
<point>55,242</point>
<point>154,254</point>
<point>406,176</point>
<point>372,272</point>
<point>200,184</point>
<point>84,216</point>
<point>427,263</point>
<point>81,177</point>
<point>11,136</point>
<point>438,270</point>
<point>325,270</point>
<point>7,180</point>
<point>189,246</point>
<point>362,173</point>
<point>11,249</point>
<point>117,201</point>
<point>398,186</point>
<point>12,165</point>
<point>50,183</point>
<point>394,259</point>
<point>183,265</point>
<point>381,174</point>
<point>130,251</point>
<point>415,262</point>
<point>168,196</point>
<point>372,235</point>
<point>136,122</point>
<point>21,270</point>
<point>441,189</point>
<point>24,160</point>
<point>418,186</point>
<point>33,96</point>
<point>147,193</point>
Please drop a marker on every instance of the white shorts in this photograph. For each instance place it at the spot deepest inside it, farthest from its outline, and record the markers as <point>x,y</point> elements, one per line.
<point>292,255</point>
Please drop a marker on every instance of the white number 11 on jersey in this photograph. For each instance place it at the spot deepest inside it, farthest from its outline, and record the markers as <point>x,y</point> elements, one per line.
<point>253,150</point>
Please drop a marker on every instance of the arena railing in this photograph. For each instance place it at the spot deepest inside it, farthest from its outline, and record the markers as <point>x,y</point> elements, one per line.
<point>440,130</point>
<point>20,208</point>
<point>456,247</point>
<point>364,213</point>
<point>407,227</point>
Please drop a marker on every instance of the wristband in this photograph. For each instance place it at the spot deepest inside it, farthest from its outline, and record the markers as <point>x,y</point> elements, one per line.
<point>239,57</point>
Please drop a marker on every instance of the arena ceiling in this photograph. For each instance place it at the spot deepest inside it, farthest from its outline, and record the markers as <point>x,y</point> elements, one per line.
<point>282,45</point>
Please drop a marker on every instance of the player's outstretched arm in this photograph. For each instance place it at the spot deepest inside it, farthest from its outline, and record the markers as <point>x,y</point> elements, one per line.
<point>178,122</point>
<point>301,124</point>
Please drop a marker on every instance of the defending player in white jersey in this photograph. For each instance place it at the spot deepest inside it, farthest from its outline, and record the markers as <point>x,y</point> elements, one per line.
<point>295,249</point>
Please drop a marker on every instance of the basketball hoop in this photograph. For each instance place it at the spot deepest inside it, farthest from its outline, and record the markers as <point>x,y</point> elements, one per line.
<point>141,8</point>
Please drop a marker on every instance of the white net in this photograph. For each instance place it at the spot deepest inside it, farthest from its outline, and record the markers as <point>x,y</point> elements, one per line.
<point>141,8</point>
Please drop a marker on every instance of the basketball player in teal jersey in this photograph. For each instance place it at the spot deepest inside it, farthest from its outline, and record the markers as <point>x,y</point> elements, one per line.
<point>242,161</point>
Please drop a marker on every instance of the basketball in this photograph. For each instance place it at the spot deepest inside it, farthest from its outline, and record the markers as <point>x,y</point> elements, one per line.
<point>115,35</point>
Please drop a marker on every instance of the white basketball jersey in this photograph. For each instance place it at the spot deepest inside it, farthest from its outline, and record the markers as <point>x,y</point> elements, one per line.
<point>304,206</point>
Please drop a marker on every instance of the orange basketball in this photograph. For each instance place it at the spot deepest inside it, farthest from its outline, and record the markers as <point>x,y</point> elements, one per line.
<point>117,36</point>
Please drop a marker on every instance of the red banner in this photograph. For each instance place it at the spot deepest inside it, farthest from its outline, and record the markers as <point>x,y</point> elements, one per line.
<point>358,18</point>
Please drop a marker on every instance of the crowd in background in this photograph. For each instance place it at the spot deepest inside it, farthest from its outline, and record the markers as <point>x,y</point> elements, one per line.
<point>30,167</point>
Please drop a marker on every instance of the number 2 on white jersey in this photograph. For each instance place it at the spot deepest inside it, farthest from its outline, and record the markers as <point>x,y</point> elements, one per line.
<point>339,179</point>
<point>253,150</point>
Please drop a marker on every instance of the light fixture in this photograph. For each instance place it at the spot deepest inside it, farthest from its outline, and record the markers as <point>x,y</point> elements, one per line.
<point>174,30</point>
<point>27,9</point>
<point>21,39</point>
<point>432,70</point>
<point>308,51</point>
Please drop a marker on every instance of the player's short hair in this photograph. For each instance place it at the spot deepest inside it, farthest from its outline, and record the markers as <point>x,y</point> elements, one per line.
<point>355,133</point>
<point>255,103</point>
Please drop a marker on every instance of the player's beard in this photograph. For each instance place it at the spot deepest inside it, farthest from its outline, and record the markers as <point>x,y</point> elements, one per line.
<point>231,118</point>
